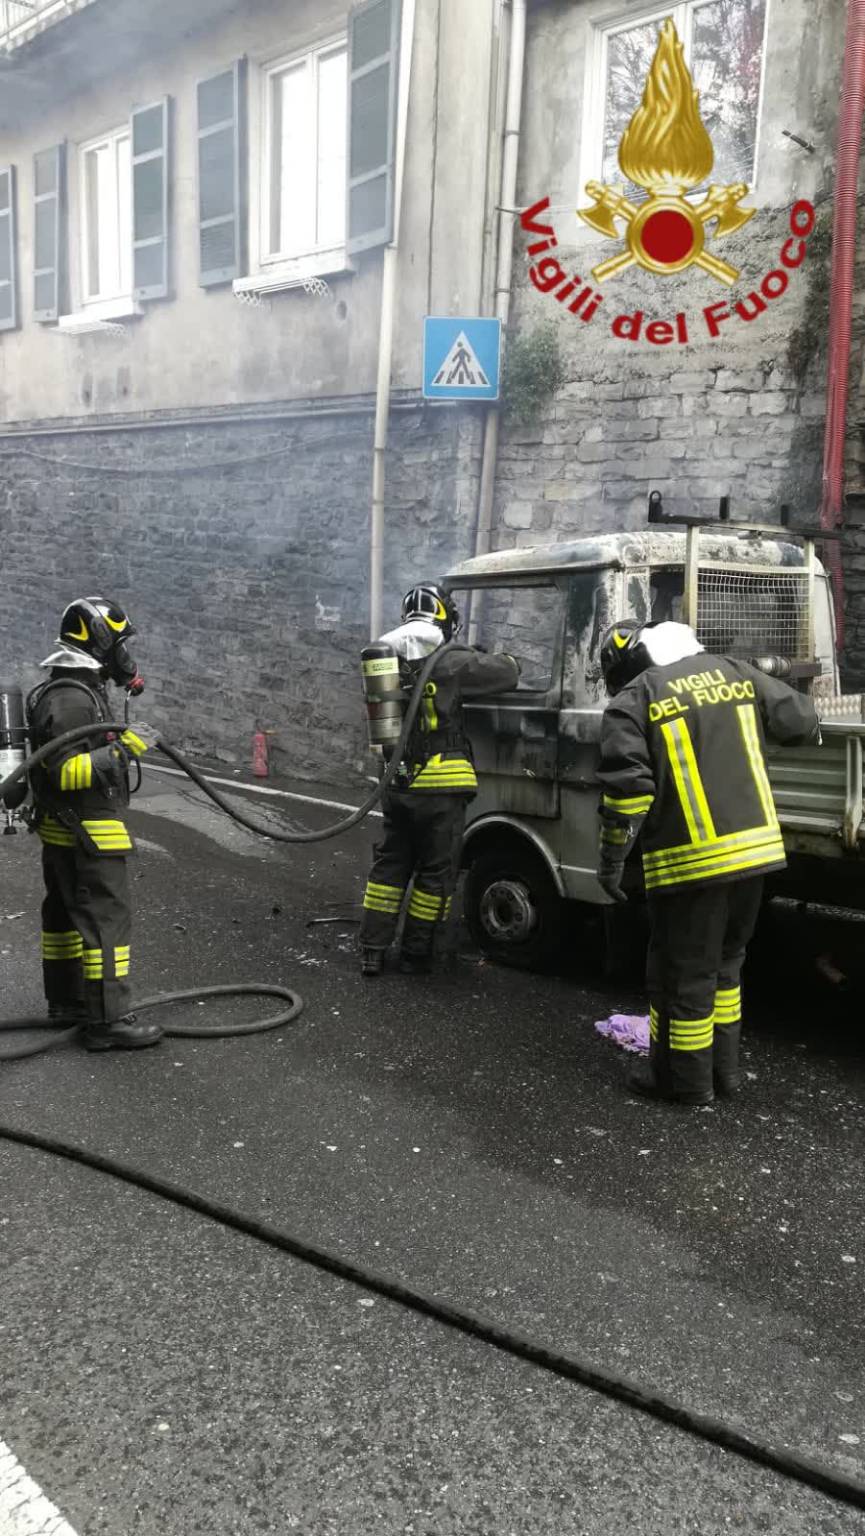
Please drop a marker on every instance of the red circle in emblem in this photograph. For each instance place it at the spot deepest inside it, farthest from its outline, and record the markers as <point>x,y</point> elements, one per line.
<point>667,237</point>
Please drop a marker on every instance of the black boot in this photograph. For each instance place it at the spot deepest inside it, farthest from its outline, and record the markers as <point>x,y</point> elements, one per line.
<point>67,1015</point>
<point>727,1084</point>
<point>415,965</point>
<point>643,1081</point>
<point>371,961</point>
<point>127,1034</point>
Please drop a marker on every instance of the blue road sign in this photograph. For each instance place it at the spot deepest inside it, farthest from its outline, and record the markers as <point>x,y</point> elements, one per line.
<point>461,358</point>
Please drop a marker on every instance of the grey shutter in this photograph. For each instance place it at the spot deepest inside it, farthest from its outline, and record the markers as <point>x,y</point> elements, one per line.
<point>222,176</point>
<point>150,172</point>
<point>8,252</point>
<point>49,232</point>
<point>372,103</point>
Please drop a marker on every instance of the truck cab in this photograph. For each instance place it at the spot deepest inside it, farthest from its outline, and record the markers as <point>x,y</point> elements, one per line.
<point>532,834</point>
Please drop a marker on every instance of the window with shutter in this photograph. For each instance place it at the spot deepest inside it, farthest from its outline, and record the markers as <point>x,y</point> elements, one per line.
<point>150,184</point>
<point>303,192</point>
<point>373,88</point>
<point>106,218</point>
<point>8,251</point>
<point>221,176</point>
<point>49,232</point>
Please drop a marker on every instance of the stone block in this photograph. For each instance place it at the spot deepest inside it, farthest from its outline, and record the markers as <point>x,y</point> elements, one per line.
<point>660,406</point>
<point>518,514</point>
<point>693,382</point>
<point>769,403</point>
<point>749,379</point>
<point>728,405</point>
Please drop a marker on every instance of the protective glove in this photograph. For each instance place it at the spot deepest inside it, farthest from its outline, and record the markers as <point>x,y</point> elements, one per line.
<point>109,765</point>
<point>139,738</point>
<point>611,868</point>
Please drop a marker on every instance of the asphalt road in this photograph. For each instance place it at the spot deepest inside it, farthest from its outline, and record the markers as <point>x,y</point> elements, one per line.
<point>469,1135</point>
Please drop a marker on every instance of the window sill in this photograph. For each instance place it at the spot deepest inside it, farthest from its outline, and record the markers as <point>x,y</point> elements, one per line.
<point>104,315</point>
<point>300,272</point>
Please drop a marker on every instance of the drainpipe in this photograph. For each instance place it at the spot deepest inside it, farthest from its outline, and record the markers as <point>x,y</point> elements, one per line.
<point>504,270</point>
<point>841,293</point>
<point>385,335</point>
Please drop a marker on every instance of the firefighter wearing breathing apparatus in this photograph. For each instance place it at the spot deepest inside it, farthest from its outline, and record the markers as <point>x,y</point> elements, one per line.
<point>425,808</point>
<point>683,767</point>
<point>79,799</point>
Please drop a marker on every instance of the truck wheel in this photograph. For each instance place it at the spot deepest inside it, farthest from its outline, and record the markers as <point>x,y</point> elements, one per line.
<point>512,908</point>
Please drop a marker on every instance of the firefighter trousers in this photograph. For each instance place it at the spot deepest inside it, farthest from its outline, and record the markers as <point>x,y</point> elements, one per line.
<point>696,953</point>
<point>421,841</point>
<point>86,926</point>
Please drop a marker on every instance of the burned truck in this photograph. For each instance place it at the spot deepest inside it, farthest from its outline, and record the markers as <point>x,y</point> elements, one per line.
<point>531,842</point>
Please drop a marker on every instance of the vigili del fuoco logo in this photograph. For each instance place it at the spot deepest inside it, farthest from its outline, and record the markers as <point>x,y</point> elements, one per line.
<point>666,150</point>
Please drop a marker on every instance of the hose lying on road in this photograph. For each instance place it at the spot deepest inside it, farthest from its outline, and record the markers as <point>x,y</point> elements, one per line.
<point>202,1031</point>
<point>511,1341</point>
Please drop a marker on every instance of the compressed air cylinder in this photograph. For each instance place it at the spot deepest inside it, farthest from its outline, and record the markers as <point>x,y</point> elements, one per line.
<point>13,742</point>
<point>385,701</point>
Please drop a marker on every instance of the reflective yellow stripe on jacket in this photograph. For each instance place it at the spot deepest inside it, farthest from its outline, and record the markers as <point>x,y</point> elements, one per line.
<point>630,805</point>
<point>55,835</point>
<point>708,856</point>
<point>109,836</point>
<point>751,737</point>
<point>689,784</point>
<point>445,774</point>
<point>77,772</point>
<point>731,855</point>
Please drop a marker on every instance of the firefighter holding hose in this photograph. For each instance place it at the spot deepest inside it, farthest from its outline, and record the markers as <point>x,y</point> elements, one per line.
<point>80,797</point>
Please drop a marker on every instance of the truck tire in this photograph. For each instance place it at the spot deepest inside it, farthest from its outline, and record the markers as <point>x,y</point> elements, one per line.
<point>512,908</point>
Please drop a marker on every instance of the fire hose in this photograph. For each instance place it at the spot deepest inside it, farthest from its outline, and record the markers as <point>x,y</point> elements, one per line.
<point>50,1036</point>
<point>645,1399</point>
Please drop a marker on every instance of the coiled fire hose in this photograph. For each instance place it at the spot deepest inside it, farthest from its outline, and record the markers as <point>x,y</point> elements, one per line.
<point>658,1405</point>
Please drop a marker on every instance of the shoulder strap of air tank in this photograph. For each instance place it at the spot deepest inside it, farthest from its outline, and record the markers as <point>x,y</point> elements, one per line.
<point>41,690</point>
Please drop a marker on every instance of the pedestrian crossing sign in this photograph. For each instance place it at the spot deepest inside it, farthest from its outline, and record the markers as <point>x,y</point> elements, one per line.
<point>461,358</point>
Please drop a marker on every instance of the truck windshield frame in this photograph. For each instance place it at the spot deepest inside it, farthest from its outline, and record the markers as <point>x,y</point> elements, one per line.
<point>534,636</point>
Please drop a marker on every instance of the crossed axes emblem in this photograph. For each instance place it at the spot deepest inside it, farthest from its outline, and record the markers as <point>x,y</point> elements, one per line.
<point>666,234</point>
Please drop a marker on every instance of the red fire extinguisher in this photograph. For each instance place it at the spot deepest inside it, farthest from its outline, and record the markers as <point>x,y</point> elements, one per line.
<point>260,764</point>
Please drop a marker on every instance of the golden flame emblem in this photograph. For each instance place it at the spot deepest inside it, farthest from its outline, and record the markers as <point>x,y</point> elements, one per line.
<point>666,149</point>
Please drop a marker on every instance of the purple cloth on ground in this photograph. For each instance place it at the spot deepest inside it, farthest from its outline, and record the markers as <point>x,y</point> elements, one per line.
<point>630,1031</point>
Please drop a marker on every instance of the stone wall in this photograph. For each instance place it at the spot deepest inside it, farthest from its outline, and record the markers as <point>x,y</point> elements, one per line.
<point>739,415</point>
<point>241,550</point>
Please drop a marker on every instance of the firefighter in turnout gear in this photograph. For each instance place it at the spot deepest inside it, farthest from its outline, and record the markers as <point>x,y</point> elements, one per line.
<point>683,767</point>
<point>424,811</point>
<point>80,796</point>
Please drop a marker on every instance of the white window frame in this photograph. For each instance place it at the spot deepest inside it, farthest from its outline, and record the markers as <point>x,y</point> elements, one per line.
<point>99,302</point>
<point>597,53</point>
<point>274,271</point>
